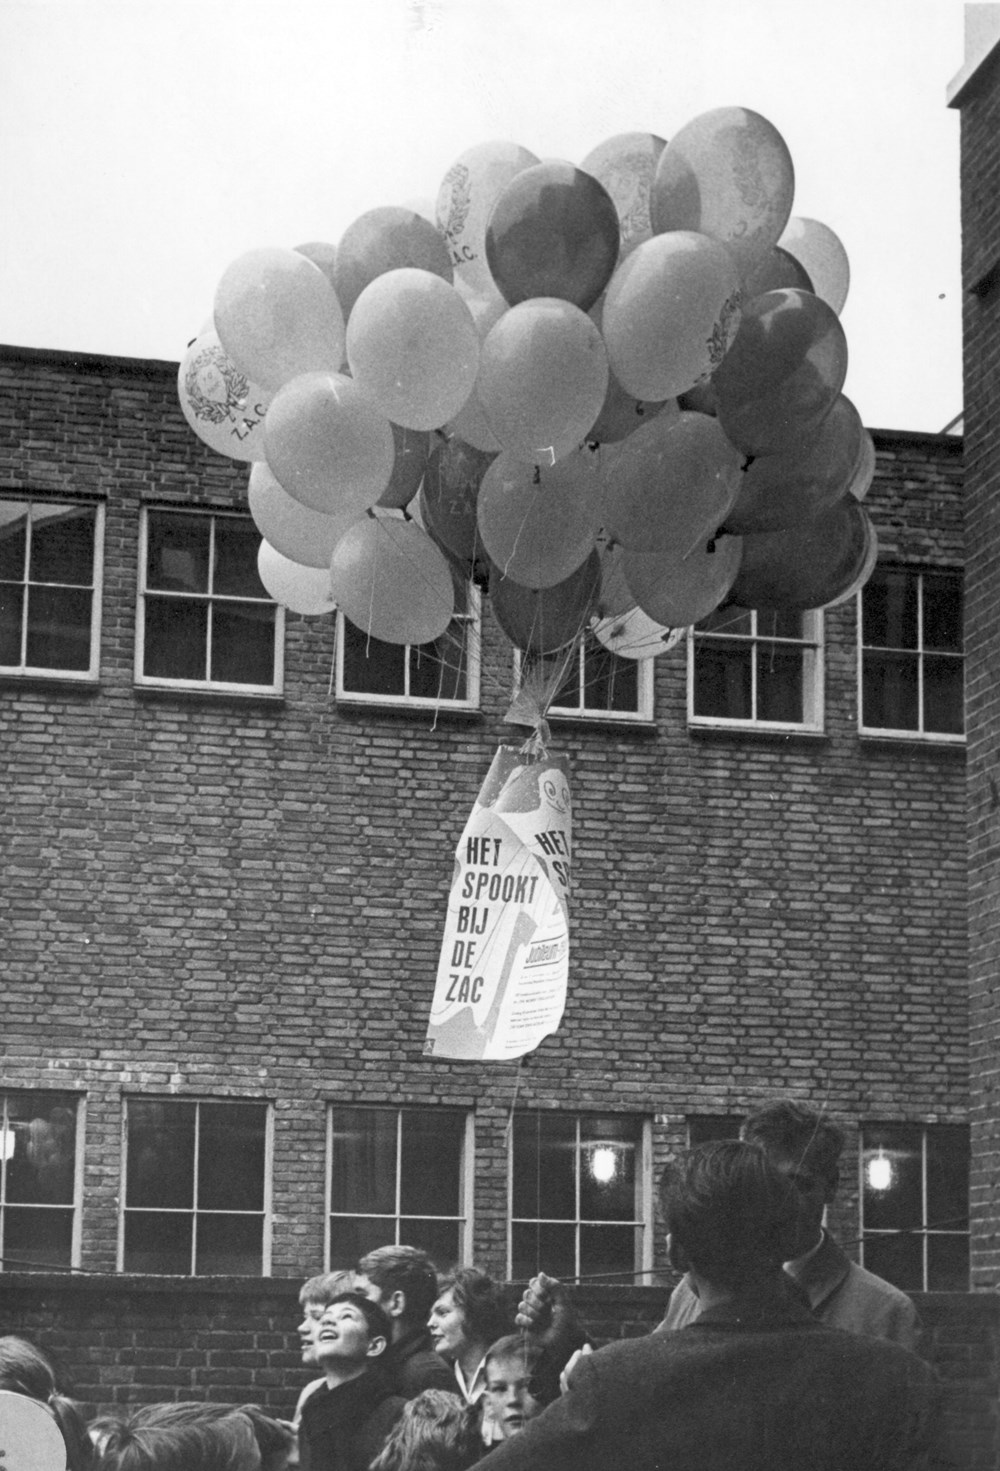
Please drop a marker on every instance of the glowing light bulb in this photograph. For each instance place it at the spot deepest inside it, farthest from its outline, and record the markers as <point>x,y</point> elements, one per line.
<point>880,1171</point>
<point>8,1143</point>
<point>604,1164</point>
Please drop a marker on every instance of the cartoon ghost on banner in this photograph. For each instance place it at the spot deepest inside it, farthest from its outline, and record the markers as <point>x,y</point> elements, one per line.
<point>501,981</point>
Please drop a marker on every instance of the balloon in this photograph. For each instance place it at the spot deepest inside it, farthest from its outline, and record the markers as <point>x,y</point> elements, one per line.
<point>470,423</point>
<point>277,316</point>
<point>220,403</point>
<point>670,314</point>
<point>701,399</point>
<point>864,469</point>
<point>625,165</point>
<point>412,347</point>
<point>296,587</point>
<point>323,255</point>
<point>465,201</point>
<point>727,174</point>
<point>544,620</point>
<point>614,598</point>
<point>783,374</point>
<point>679,590</point>
<point>621,412</point>
<point>538,523</point>
<point>865,567</point>
<point>634,635</point>
<point>391,581</point>
<point>774,272</point>
<point>553,232</point>
<point>327,445</point>
<point>386,239</point>
<point>792,487</point>
<point>671,485</point>
<point>542,379</point>
<point>412,447</point>
<point>448,499</point>
<point>822,255</point>
<point>304,536</point>
<point>806,566</point>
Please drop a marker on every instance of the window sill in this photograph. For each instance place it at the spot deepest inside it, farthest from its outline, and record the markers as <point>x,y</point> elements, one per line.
<point>758,733</point>
<point>357,705</point>
<point>82,684</point>
<point>208,696</point>
<point>885,741</point>
<point>603,720</point>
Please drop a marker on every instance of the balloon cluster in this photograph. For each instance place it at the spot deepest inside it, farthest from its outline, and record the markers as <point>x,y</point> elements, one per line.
<point>611,393</point>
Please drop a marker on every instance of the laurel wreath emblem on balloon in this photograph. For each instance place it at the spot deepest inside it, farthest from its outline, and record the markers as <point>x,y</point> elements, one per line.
<point>215,388</point>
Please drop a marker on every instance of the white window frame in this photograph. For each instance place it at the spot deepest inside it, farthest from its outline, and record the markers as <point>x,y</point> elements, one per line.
<point>643,715</point>
<point>926,1229</point>
<point>75,676</point>
<point>160,681</point>
<point>466,1168</point>
<point>267,1212</point>
<point>472,621</point>
<point>894,733</point>
<point>813,647</point>
<point>76,1207</point>
<point>644,1219</point>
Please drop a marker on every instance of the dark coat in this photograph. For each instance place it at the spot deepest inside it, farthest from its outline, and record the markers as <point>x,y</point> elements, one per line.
<point>344,1428</point>
<point>755,1384</point>
<point>413,1365</point>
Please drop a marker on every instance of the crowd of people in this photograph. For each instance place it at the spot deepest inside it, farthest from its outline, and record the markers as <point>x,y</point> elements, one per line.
<point>776,1352</point>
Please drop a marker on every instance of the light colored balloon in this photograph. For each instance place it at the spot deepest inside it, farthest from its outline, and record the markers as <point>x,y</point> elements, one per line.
<point>677,591</point>
<point>278,316</point>
<point>389,238</point>
<point>465,201</point>
<point>299,588</point>
<point>625,165</point>
<point>820,252</point>
<point>413,348</point>
<point>538,523</point>
<point>327,444</point>
<point>470,423</point>
<point>220,403</point>
<point>391,581</point>
<point>634,635</point>
<point>321,254</point>
<point>542,379</point>
<point>301,535</point>
<point>615,597</point>
<point>671,313</point>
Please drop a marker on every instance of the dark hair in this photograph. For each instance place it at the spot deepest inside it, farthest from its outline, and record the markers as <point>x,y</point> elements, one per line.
<point>731,1211</point>
<point>24,1369</point>
<point>404,1269</point>
<point>324,1287</point>
<point>800,1132</point>
<point>172,1437</point>
<point>275,1441</point>
<point>437,1431</point>
<point>378,1320</point>
<point>477,1296</point>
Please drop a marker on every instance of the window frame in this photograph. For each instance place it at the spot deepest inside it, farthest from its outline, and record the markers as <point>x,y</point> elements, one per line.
<point>896,733</point>
<point>925,1230</point>
<point>466,1170</point>
<point>267,1210</point>
<point>75,1208</point>
<point>813,650</point>
<point>200,686</point>
<point>645,688</point>
<point>644,1218</point>
<point>472,646</point>
<point>91,674</point>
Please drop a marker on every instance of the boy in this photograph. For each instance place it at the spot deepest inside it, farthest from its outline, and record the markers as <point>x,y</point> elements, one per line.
<point>518,1383</point>
<point>345,1422</point>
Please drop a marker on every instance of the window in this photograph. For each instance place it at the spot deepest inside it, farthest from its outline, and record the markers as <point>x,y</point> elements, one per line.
<point>703,1127</point>
<point>50,610</point>
<point>915,1205</point>
<point>197,1188</point>
<point>910,632</point>
<point>400,1175</point>
<point>599,684</point>
<point>39,1180</point>
<point>756,669</point>
<point>442,673</point>
<point>580,1197</point>
<point>205,620</point>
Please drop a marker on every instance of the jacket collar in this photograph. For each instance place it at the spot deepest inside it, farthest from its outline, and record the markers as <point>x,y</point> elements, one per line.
<point>770,1306</point>
<point>821,1272</point>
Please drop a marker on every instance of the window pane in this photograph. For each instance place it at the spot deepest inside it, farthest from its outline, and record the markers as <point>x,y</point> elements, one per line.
<point>230,1157</point>
<point>62,544</point>
<point>942,612</point>
<point>236,545</point>
<point>610,682</point>
<point>608,1249</point>
<point>899,1259</point>
<point>437,670</point>
<point>370,666</point>
<point>779,683</point>
<point>243,643</point>
<point>943,695</point>
<point>177,554</point>
<point>948,1177</point>
<point>13,538</point>
<point>59,628</point>
<point>41,1168</point>
<point>11,614</point>
<point>440,1239</point>
<point>352,1237</point>
<point>728,620</point>
<point>947,1264</point>
<point>429,1165</point>
<point>160,1155</point>
<point>778,623</point>
<point>607,1170</point>
<point>158,1243</point>
<point>363,1169</point>
<point>176,639</point>
<point>544,1163</point>
<point>901,1203</point>
<point>889,609</point>
<point>36,1238</point>
<point>889,691</point>
<point>722,679</point>
<point>229,1246</point>
<point>543,1248</point>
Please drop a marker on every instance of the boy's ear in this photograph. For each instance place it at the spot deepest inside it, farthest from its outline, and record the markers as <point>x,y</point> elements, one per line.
<point>676,1255</point>
<point>376,1345</point>
<point>395,1303</point>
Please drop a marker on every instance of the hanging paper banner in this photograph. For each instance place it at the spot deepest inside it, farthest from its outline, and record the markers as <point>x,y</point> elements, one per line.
<point>501,981</point>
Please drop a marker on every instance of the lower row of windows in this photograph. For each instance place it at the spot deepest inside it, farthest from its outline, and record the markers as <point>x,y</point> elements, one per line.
<point>205,620</point>
<point>196,1195</point>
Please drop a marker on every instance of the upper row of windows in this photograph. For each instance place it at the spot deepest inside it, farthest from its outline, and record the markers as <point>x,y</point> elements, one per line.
<point>205,621</point>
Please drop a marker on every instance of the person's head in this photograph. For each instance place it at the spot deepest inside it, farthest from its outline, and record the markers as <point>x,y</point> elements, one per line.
<point>437,1431</point>
<point>467,1313</point>
<point>806,1147</point>
<point>315,1296</point>
<point>352,1332</point>
<point>402,1280</point>
<point>177,1438</point>
<point>24,1369</point>
<point>275,1440</point>
<point>515,1390</point>
<point>731,1216</point>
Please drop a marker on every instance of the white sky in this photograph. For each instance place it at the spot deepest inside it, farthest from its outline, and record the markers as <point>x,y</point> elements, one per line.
<point>145,144</point>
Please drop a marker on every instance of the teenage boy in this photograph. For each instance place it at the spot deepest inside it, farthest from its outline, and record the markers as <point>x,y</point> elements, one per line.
<point>345,1422</point>
<point>403,1281</point>
<point>315,1296</point>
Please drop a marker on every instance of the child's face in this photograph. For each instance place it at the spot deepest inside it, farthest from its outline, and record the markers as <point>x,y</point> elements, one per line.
<point>343,1334</point>
<point>508,1388</point>
<point>311,1314</point>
